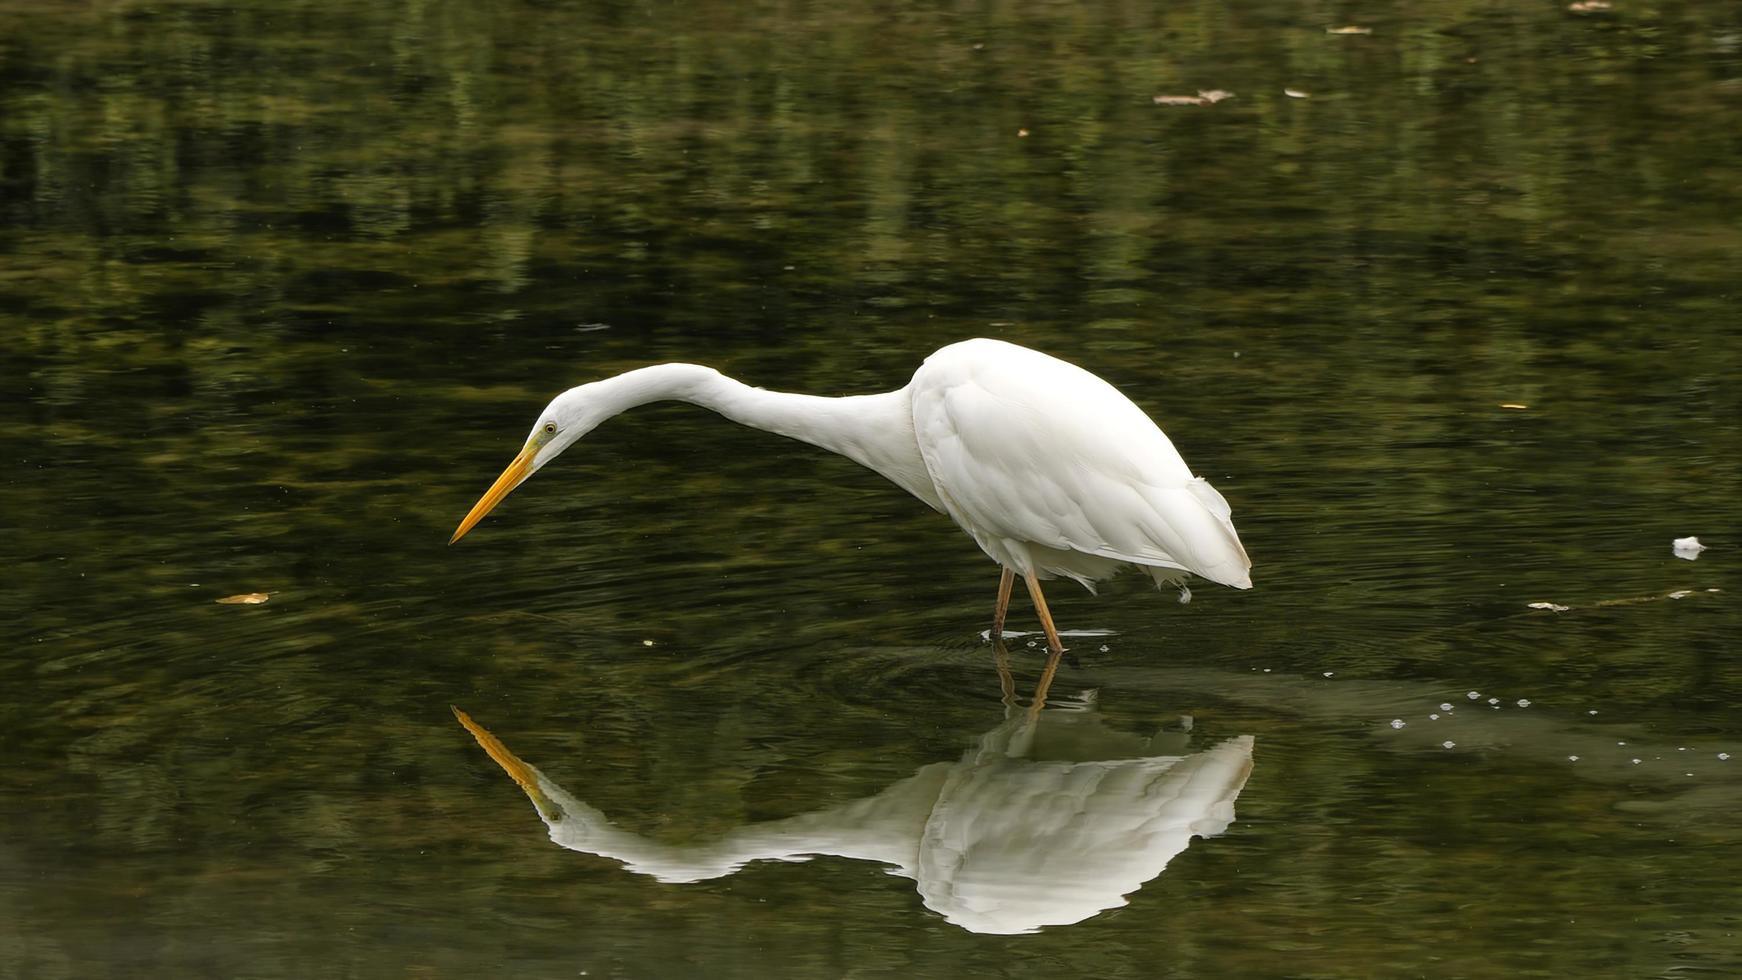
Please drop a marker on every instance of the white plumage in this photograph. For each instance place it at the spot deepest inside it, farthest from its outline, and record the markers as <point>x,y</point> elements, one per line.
<point>1050,469</point>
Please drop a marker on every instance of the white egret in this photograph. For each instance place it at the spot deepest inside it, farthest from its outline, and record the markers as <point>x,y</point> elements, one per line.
<point>1050,469</point>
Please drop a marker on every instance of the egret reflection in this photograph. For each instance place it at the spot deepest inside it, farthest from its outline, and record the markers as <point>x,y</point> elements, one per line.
<point>1049,819</point>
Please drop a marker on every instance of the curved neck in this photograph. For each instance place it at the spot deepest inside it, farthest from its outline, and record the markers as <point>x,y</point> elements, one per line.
<point>875,431</point>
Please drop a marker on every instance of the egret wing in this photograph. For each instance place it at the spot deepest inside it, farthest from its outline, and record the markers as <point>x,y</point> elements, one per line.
<point>1028,449</point>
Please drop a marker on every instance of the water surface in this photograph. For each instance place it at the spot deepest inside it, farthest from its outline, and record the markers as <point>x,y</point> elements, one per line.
<point>282,287</point>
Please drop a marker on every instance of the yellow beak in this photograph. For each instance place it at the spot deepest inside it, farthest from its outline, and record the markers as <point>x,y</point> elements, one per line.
<point>510,478</point>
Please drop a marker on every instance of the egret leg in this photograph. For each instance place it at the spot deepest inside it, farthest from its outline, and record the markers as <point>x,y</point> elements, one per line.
<point>1005,582</point>
<point>1052,641</point>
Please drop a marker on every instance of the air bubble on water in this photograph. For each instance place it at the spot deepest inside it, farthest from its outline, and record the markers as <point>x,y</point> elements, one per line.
<point>1434,717</point>
<point>1620,743</point>
<point>1572,758</point>
<point>1494,701</point>
<point>1474,695</point>
<point>1591,712</point>
<point>1445,707</point>
<point>1329,673</point>
<point>1397,723</point>
<point>1524,702</point>
<point>1636,762</point>
<point>1103,648</point>
<point>1267,670</point>
<point>1723,757</point>
<point>1448,743</point>
<point>1681,748</point>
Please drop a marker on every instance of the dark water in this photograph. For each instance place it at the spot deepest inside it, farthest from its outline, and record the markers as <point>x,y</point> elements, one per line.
<point>283,284</point>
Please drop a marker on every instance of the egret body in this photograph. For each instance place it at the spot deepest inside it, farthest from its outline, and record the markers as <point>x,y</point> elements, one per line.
<point>1050,469</point>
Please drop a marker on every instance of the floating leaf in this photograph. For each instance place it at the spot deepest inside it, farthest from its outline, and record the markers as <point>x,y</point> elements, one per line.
<point>1349,30</point>
<point>1204,97</point>
<point>1636,600</point>
<point>244,599</point>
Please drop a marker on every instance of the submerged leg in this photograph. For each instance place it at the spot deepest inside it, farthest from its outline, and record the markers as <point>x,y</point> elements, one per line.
<point>1052,642</point>
<point>1005,582</point>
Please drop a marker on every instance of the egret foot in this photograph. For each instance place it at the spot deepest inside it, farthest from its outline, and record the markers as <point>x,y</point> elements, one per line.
<point>1053,643</point>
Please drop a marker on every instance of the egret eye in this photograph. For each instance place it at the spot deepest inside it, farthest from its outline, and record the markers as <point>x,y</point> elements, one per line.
<point>550,428</point>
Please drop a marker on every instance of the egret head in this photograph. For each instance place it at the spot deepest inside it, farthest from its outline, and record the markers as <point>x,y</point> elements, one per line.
<point>568,417</point>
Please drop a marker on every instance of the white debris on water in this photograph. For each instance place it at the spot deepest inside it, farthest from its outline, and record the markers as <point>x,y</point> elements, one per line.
<point>1636,762</point>
<point>1572,758</point>
<point>1449,744</point>
<point>1494,701</point>
<point>1723,757</point>
<point>1397,723</point>
<point>1433,717</point>
<point>1550,606</point>
<point>1688,548</point>
<point>1474,695</point>
<point>1328,673</point>
<point>1524,702</point>
<point>1446,707</point>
